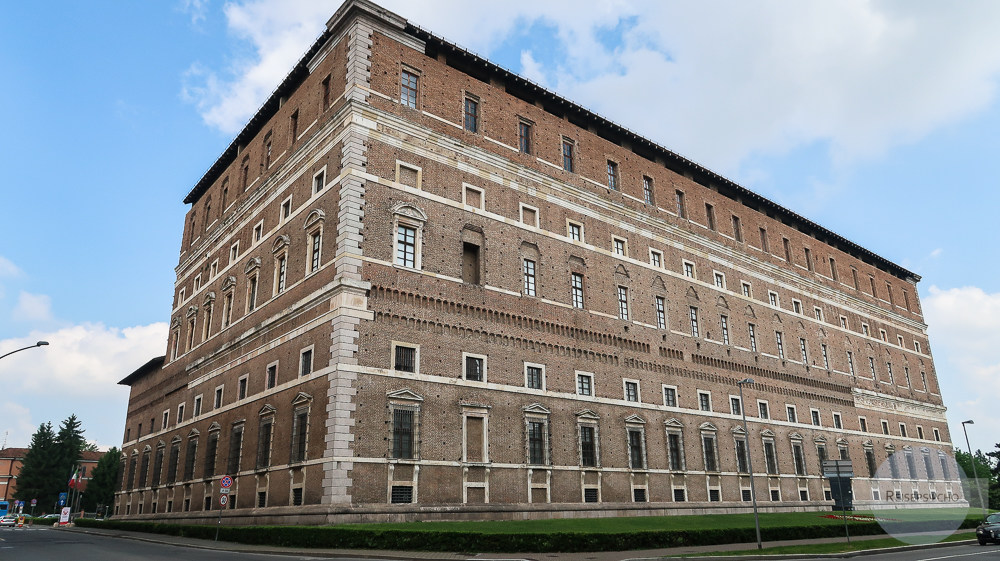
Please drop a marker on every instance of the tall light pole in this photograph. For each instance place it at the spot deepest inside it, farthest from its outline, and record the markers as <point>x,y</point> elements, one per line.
<point>975,472</point>
<point>38,344</point>
<point>746,432</point>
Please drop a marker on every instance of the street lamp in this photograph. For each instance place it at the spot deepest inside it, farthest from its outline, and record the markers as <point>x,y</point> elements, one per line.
<point>975,472</point>
<point>38,344</point>
<point>746,432</point>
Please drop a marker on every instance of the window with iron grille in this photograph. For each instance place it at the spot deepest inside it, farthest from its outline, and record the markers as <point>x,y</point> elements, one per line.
<point>401,494</point>
<point>300,433</point>
<point>636,454</point>
<point>406,359</point>
<point>588,447</point>
<point>590,495</point>
<point>536,442</point>
<point>264,442</point>
<point>261,499</point>
<point>639,495</point>
<point>680,495</point>
<point>297,496</point>
<point>211,450</point>
<point>675,449</point>
<point>172,461</point>
<point>235,447</point>
<point>402,433</point>
<point>474,368</point>
<point>471,114</point>
<point>524,137</point>
<point>711,459</point>
<point>714,495</point>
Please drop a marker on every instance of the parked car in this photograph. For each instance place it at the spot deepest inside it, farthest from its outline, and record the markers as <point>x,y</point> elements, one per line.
<point>8,520</point>
<point>989,531</point>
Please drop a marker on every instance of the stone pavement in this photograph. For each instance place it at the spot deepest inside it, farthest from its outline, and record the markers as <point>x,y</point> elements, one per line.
<point>444,556</point>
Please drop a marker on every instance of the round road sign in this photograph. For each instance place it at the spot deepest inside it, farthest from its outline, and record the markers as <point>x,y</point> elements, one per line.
<point>226,482</point>
<point>34,502</point>
<point>223,500</point>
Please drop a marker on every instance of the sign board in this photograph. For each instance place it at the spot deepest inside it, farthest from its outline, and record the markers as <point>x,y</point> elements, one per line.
<point>62,499</point>
<point>226,482</point>
<point>225,491</point>
<point>64,516</point>
<point>838,468</point>
<point>34,502</point>
<point>224,499</point>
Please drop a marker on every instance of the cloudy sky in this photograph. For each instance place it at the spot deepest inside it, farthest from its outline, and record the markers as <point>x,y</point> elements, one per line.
<point>876,120</point>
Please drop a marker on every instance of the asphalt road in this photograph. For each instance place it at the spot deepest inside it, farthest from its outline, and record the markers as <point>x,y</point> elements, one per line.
<point>46,544</point>
<point>953,553</point>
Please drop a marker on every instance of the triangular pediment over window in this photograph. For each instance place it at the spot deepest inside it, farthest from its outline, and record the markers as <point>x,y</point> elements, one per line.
<point>587,415</point>
<point>301,398</point>
<point>635,420</point>
<point>214,426</point>
<point>405,394</point>
<point>267,409</point>
<point>707,426</point>
<point>672,422</point>
<point>536,408</point>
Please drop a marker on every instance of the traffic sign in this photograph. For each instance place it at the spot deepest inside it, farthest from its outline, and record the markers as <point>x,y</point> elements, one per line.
<point>223,500</point>
<point>34,502</point>
<point>62,499</point>
<point>224,491</point>
<point>226,482</point>
<point>838,468</point>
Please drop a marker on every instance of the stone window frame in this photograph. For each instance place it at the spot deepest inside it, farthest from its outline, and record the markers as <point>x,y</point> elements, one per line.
<point>590,419</point>
<point>285,210</point>
<point>636,424</point>
<point>708,394</point>
<point>466,187</point>
<point>638,391</point>
<point>654,256</point>
<point>279,249</point>
<point>479,411</point>
<point>408,216</point>
<point>243,386</point>
<point>798,464</point>
<point>590,376</point>
<point>766,410</point>
<point>404,400</point>
<point>767,437</point>
<point>542,379</point>
<point>320,174</point>
<point>739,435</point>
<point>265,416</point>
<point>663,393</point>
<point>412,167</point>
<point>537,413</point>
<point>311,349</point>
<point>417,74</point>
<point>673,426</point>
<point>708,430</point>
<point>313,228</point>
<point>569,230</point>
<point>485,359</point>
<point>615,245</point>
<point>520,212</point>
<point>416,356</point>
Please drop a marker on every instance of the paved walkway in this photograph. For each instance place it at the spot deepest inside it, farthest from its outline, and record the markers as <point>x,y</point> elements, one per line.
<point>441,556</point>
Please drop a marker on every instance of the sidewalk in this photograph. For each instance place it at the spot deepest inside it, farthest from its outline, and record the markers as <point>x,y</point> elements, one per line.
<point>444,556</point>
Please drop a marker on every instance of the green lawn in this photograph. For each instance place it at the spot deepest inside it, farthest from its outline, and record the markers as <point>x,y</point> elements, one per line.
<point>840,547</point>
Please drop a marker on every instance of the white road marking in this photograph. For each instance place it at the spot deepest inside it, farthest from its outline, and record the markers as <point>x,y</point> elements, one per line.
<point>953,556</point>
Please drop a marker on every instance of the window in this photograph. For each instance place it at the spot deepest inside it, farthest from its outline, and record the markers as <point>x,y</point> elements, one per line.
<point>584,384</point>
<point>710,216</point>
<point>172,461</point>
<point>708,447</point>
<point>306,361</point>
<point>675,449</point>
<point>788,249</point>
<point>763,240</point>
<point>534,376</point>
<point>280,273</point>
<point>871,366</point>
<point>899,339</point>
<point>471,114</point>
<point>166,420</point>
<point>797,306</point>
<point>888,366</point>
<point>818,313</point>
<point>286,209</point>
<point>670,396</point>
<point>647,190</point>
<point>772,298</point>
<point>753,337</point>
<point>211,451</point>
<point>656,258</point>
<point>252,294</point>
<point>720,279</point>
<point>694,321</point>
<point>264,441</point>
<point>235,447</point>
<point>688,269</point>
<point>529,277</point>
<point>613,175</point>
<point>916,346</point>
<point>826,357</point>
<point>885,427</point>
<point>920,432</point>
<point>742,460</point>
<point>470,263</point>
<point>636,449</point>
<point>814,414</point>
<point>197,408</point>
<point>241,391</point>
<point>524,136</point>
<point>737,229</point>
<point>781,347</point>
<point>227,310</point>
<point>271,376</point>
<point>402,432</point>
<point>790,412</point>
<point>404,358</point>
<point>325,86</point>
<point>315,244</point>
<point>809,261</point>
<point>843,322</point>
<point>724,323</point>
<point>293,129</point>
<point>245,173</point>
<point>902,430</point>
<point>631,390</point>
<point>833,270</point>
<point>799,458</point>
<point>770,458</point>
<point>623,302</point>
<point>661,314</point>
<point>575,231</point>
<point>475,367</point>
<point>180,413</point>
<point>567,154</point>
<point>189,458</point>
<point>679,198</point>
<point>704,401</point>
<point>619,246</point>
<point>576,290</point>
<point>536,441</point>
<point>529,215</point>
<point>937,435</point>
<point>406,246</point>
<point>882,335</point>
<point>802,348</point>
<point>762,410</point>
<point>865,330</point>
<point>863,423</point>
<point>408,89</point>
<point>319,181</point>
<point>472,196</point>
<point>870,461</point>
<point>871,281</point>
<point>735,405</point>
<point>588,446</point>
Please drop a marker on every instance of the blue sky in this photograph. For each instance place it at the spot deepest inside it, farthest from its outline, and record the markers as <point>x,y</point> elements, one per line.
<point>876,121</point>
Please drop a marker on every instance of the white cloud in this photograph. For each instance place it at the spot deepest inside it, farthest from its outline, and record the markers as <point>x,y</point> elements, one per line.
<point>965,334</point>
<point>32,308</point>
<point>936,252</point>
<point>196,9</point>
<point>8,268</point>
<point>716,81</point>
<point>77,373</point>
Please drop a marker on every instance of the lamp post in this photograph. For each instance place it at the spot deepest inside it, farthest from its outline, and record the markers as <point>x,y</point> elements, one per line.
<point>38,344</point>
<point>746,432</point>
<point>975,472</point>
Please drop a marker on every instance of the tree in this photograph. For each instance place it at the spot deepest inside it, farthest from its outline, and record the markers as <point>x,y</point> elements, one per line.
<point>71,443</point>
<point>985,472</point>
<point>42,476</point>
<point>103,479</point>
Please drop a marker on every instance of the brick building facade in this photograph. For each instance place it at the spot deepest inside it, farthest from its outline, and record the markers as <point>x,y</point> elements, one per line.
<point>419,286</point>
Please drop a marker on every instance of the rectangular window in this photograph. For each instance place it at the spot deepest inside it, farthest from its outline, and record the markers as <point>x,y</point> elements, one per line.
<point>524,137</point>
<point>293,131</point>
<point>470,263</point>
<point>799,459</point>
<point>838,423</point>
<point>871,366</point>
<point>676,451</point>
<point>613,183</point>
<point>708,445</point>
<point>770,458</point>
<point>746,289</point>
<point>281,273</point>
<point>797,307</point>
<point>408,89</point>
<point>802,348</point>
<point>763,240</point>
<point>577,290</point>
<point>575,231</point>
<point>636,454</point>
<point>885,427</point>
<point>218,399</point>
<point>647,190</point>
<point>536,442</point>
<point>818,313</point>
<point>688,269</point>
<point>402,433</point>
<point>471,114</point>
<point>809,261</point>
<point>916,346</point>
<point>306,362</point>
<point>762,410</point>
<point>753,337</point>
<point>300,432</point>
<point>710,216</point>
<point>902,430</point>
<point>272,376</point>
<point>720,280</point>
<point>319,181</point>
<point>588,448</point>
<point>833,270</point>
<point>241,388</point>
<point>567,155</point>
<point>623,302</point>
<point>406,246</point>
<point>724,323</point>
<point>475,368</point>
<point>670,396</point>
<point>681,209</point>
<point>864,329</point>
<point>772,298</point>
<point>315,241</point>
<point>737,229</point>
<point>656,258</point>
<point>619,246</point>
<point>735,406</point>
<point>863,424</point>
<point>235,446</point>
<point>826,357</point>
<point>788,249</point>
<point>584,384</point>
<point>631,391</point>
<point>790,412</point>
<point>325,86</point>
<point>742,461</point>
<point>661,313</point>
<point>197,409</point>
<point>781,346</point>
<point>252,294</point>
<point>704,401</point>
<point>870,461</point>
<point>264,442</point>
<point>815,417</point>
<point>694,321</point>
<point>534,377</point>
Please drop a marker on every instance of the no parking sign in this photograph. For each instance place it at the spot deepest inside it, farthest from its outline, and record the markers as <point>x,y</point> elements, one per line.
<point>223,500</point>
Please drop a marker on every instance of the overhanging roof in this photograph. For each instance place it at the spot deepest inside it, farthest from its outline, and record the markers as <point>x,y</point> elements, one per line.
<point>153,365</point>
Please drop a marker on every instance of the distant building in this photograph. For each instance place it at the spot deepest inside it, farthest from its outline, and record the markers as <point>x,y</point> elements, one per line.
<point>11,460</point>
<point>417,285</point>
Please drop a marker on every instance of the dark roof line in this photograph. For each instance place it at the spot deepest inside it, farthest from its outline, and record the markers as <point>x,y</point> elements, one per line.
<point>152,365</point>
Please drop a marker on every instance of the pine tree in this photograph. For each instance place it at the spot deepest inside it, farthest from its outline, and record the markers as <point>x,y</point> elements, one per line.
<point>71,443</point>
<point>101,487</point>
<point>41,474</point>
